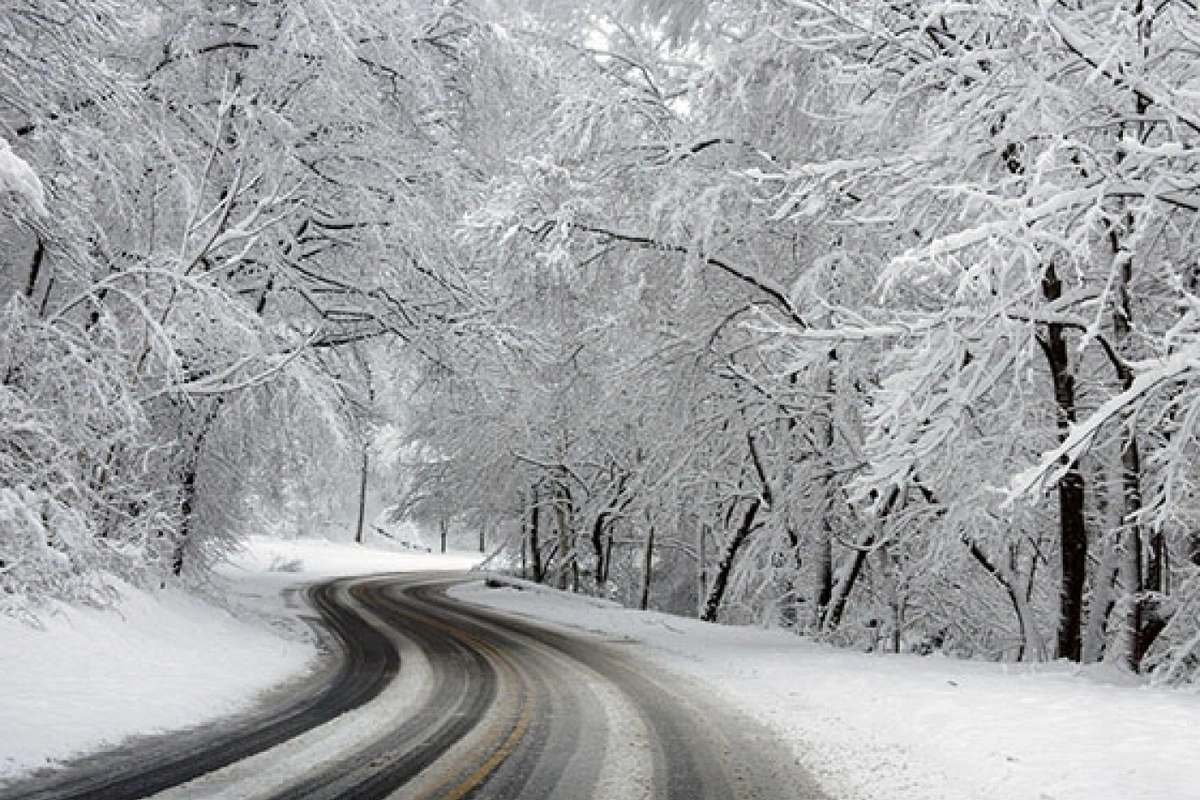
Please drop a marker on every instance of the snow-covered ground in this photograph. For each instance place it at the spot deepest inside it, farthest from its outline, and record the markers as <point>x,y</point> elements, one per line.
<point>167,660</point>
<point>910,728</point>
<point>869,727</point>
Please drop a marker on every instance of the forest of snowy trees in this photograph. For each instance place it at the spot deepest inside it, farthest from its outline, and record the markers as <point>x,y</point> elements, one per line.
<point>879,321</point>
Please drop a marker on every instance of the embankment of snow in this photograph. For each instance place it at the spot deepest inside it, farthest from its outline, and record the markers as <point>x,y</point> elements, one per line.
<point>93,677</point>
<point>874,727</point>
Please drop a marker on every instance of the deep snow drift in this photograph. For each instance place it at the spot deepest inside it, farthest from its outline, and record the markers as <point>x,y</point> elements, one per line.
<point>869,727</point>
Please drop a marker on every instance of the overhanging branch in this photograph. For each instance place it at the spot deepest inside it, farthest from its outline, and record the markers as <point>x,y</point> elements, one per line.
<point>762,285</point>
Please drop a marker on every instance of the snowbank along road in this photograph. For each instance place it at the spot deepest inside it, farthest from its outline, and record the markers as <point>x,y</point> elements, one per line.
<point>433,698</point>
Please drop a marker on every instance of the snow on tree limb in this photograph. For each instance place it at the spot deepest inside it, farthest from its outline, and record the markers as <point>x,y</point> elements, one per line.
<point>1117,73</point>
<point>1183,365</point>
<point>18,177</point>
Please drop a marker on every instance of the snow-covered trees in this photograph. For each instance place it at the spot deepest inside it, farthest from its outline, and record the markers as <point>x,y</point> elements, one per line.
<point>876,320</point>
<point>928,270</point>
<point>200,201</point>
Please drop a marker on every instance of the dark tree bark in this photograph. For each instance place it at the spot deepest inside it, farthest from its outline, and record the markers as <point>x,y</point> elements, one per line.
<point>823,569</point>
<point>1136,574</point>
<point>362,497</point>
<point>725,567</point>
<point>647,569</point>
<point>535,546</point>
<point>841,593</point>
<point>598,548</point>
<point>1031,647</point>
<point>823,556</point>
<point>563,519</point>
<point>1073,541</point>
<point>35,268</point>
<point>739,537</point>
<point>188,489</point>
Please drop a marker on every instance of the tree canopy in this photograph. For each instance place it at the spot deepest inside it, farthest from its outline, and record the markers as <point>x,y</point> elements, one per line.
<point>876,321</point>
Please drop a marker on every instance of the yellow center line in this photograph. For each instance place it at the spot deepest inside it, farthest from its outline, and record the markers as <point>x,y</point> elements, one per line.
<point>510,742</point>
<point>488,767</point>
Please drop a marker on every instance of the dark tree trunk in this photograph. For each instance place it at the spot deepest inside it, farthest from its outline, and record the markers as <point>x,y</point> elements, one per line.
<point>841,594</point>
<point>535,546</point>
<point>1072,527</point>
<point>823,567</point>
<point>1031,647</point>
<point>600,550</point>
<point>822,558</point>
<point>35,268</point>
<point>647,569</point>
<point>565,572</point>
<point>725,567</point>
<point>362,497</point>
<point>188,480</point>
<point>186,509</point>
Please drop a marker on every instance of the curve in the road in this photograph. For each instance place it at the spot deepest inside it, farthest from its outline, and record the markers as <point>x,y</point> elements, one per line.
<point>512,710</point>
<point>144,767</point>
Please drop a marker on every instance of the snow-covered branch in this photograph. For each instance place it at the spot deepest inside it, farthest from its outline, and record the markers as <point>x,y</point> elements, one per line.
<point>1180,366</point>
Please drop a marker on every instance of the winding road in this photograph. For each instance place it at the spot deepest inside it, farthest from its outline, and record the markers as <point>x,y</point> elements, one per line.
<point>431,699</point>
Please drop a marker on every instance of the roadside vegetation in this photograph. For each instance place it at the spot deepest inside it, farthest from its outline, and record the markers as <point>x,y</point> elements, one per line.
<point>878,322</point>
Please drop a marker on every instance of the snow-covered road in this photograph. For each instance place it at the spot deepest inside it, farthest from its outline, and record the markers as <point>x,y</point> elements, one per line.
<point>870,727</point>
<point>435,699</point>
<point>885,727</point>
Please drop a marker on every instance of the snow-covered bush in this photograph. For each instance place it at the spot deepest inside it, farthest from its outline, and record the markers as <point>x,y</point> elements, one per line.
<point>78,498</point>
<point>47,550</point>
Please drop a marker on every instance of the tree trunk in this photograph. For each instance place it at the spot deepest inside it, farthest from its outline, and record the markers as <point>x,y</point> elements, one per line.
<point>647,569</point>
<point>602,533</point>
<point>1135,579</point>
<point>535,547</point>
<point>889,570</point>
<point>1072,527</point>
<point>562,520</point>
<point>1032,647</point>
<point>187,507</point>
<point>1101,603</point>
<point>841,592</point>
<point>822,589</point>
<point>822,572</point>
<point>600,551</point>
<point>608,548</point>
<point>725,567</point>
<point>35,268</point>
<point>362,497</point>
<point>188,481</point>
